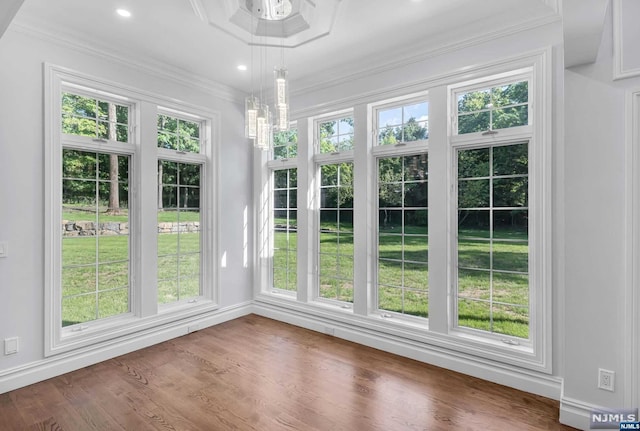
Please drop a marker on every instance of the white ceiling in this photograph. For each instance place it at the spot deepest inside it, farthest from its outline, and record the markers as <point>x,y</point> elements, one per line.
<point>366,34</point>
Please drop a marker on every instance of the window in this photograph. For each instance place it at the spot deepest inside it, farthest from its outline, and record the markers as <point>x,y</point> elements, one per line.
<point>335,135</point>
<point>417,224</point>
<point>111,271</point>
<point>492,246</point>
<point>336,232</point>
<point>488,109</point>
<point>285,229</point>
<point>403,235</point>
<point>404,123</point>
<point>179,237</point>
<point>95,276</point>
<point>178,134</point>
<point>179,208</point>
<point>285,144</point>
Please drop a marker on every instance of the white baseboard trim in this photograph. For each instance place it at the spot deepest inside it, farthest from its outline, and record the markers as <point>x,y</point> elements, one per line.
<point>47,368</point>
<point>576,413</point>
<point>540,384</point>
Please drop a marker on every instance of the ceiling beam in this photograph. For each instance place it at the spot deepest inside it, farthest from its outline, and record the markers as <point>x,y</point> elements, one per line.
<point>8,10</point>
<point>583,25</point>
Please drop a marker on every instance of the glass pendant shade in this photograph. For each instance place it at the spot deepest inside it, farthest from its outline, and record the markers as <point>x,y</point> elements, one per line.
<point>281,99</point>
<point>252,105</point>
<point>264,130</point>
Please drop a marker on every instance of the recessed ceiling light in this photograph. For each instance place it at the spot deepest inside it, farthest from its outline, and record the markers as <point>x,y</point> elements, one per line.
<point>123,13</point>
<point>242,67</point>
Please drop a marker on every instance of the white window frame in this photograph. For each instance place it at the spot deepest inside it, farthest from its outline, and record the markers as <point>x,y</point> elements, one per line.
<point>401,149</point>
<point>497,80</point>
<point>397,102</point>
<point>144,311</point>
<point>201,159</point>
<point>536,352</point>
<point>320,159</point>
<point>293,125</point>
<point>436,334</point>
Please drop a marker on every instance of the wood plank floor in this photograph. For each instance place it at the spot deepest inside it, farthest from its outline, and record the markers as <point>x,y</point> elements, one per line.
<point>258,374</point>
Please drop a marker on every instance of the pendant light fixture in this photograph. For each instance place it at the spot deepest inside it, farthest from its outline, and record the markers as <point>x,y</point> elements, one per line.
<point>259,121</point>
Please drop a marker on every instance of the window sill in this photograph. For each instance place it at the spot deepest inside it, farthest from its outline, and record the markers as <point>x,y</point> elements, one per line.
<point>111,330</point>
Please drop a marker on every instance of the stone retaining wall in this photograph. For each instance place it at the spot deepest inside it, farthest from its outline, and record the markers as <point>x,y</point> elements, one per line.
<point>89,228</point>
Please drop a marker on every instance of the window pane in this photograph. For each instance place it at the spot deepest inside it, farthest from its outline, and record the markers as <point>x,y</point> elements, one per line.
<point>284,263</point>
<point>510,192</point>
<point>336,233</point>
<point>403,124</point>
<point>85,116</point>
<point>511,160</point>
<point>402,235</point>
<point>285,144</point>
<point>500,107</point>
<point>493,281</point>
<point>473,194</point>
<point>336,135</point>
<point>473,163</point>
<point>178,220</point>
<point>95,241</point>
<point>474,100</point>
<point>178,134</point>
<point>510,117</point>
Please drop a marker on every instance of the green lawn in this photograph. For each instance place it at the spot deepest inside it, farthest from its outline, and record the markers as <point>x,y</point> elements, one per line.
<point>76,212</point>
<point>493,301</point>
<point>93,290</point>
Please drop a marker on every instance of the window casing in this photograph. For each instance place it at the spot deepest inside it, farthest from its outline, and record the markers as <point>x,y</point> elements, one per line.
<point>285,230</point>
<point>102,262</point>
<point>516,329</point>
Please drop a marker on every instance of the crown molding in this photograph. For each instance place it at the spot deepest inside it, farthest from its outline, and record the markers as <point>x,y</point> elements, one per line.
<point>407,60</point>
<point>147,65</point>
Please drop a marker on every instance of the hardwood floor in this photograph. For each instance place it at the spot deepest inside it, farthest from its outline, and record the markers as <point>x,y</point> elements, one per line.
<point>258,374</point>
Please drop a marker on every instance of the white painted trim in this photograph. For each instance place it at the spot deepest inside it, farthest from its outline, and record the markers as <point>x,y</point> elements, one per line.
<point>449,78</point>
<point>536,383</point>
<point>576,413</point>
<point>47,368</point>
<point>145,65</point>
<point>142,317</point>
<point>631,390</point>
<point>619,71</point>
<point>422,55</point>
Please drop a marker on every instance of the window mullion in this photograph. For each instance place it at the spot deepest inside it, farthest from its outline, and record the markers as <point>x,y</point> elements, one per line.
<point>146,212</point>
<point>440,193</point>
<point>362,214</point>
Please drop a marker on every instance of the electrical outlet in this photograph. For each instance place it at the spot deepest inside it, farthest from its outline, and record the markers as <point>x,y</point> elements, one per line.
<point>606,379</point>
<point>10,346</point>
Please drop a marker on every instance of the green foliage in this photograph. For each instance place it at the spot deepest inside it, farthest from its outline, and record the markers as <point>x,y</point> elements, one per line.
<point>95,118</point>
<point>177,134</point>
<point>410,131</point>
<point>285,144</point>
<point>494,108</point>
<point>336,135</point>
<point>336,186</point>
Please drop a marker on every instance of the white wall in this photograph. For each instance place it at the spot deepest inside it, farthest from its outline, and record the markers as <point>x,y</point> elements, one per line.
<point>22,183</point>
<point>595,272</point>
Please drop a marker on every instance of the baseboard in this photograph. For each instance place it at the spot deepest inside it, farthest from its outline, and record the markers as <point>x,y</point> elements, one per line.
<point>47,368</point>
<point>576,413</point>
<point>539,384</point>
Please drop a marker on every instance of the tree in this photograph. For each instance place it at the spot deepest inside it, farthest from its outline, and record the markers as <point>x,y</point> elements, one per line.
<point>114,187</point>
<point>492,109</point>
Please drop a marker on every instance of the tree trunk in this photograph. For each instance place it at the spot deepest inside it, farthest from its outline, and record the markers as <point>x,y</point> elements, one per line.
<point>160,174</point>
<point>114,189</point>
